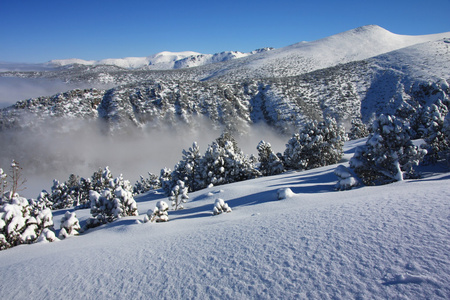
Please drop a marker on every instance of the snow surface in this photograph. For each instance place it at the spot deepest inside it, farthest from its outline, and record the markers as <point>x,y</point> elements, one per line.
<point>386,242</point>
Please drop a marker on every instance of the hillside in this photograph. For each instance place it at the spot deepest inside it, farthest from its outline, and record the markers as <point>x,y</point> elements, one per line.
<point>386,242</point>
<point>360,73</point>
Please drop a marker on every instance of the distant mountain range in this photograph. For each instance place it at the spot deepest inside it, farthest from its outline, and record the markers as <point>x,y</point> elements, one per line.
<point>358,73</point>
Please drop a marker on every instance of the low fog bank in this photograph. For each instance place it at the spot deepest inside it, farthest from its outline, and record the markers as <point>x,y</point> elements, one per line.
<point>59,149</point>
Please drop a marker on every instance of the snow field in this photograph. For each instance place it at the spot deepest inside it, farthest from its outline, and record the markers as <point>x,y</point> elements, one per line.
<point>387,242</point>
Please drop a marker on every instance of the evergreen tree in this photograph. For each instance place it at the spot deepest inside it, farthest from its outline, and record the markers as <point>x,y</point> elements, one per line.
<point>165,178</point>
<point>317,144</point>
<point>18,225</point>
<point>114,202</point>
<point>188,169</point>
<point>179,195</point>
<point>146,184</point>
<point>388,155</point>
<point>358,130</point>
<point>432,130</point>
<point>270,163</point>
<point>61,196</point>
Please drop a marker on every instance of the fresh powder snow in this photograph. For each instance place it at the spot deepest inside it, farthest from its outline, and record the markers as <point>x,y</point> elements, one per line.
<point>383,242</point>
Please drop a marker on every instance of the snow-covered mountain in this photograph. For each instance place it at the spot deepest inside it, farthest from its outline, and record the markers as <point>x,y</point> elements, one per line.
<point>385,242</point>
<point>161,61</point>
<point>385,83</point>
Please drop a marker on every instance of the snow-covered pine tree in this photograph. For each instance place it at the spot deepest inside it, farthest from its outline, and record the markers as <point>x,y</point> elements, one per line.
<point>19,226</point>
<point>220,206</point>
<point>179,195</point>
<point>224,162</point>
<point>43,201</point>
<point>70,225</point>
<point>188,169</point>
<point>100,179</point>
<point>146,184</point>
<point>388,155</point>
<point>3,184</point>
<point>358,129</point>
<point>238,167</point>
<point>61,196</point>
<point>114,202</point>
<point>213,165</point>
<point>446,131</point>
<point>317,144</point>
<point>165,178</point>
<point>432,131</point>
<point>270,163</point>
<point>83,196</point>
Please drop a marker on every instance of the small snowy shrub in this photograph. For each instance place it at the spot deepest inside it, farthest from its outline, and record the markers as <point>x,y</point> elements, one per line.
<point>111,205</point>
<point>284,193</point>
<point>388,155</point>
<point>345,179</point>
<point>179,195</point>
<point>18,225</point>
<point>220,207</point>
<point>159,214</point>
<point>70,225</point>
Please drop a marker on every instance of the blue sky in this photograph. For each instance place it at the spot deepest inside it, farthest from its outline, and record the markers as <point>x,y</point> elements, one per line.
<point>38,31</point>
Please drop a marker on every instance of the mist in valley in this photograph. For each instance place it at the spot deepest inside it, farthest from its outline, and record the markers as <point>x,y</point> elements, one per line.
<point>62,147</point>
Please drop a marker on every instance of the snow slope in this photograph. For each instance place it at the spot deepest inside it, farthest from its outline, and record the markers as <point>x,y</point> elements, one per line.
<point>388,242</point>
<point>353,45</point>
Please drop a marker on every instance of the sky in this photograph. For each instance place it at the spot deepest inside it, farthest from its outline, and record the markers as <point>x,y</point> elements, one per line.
<point>38,31</point>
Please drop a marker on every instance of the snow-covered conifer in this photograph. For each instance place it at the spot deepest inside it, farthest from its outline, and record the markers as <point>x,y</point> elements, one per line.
<point>101,179</point>
<point>178,195</point>
<point>388,155</point>
<point>436,142</point>
<point>213,165</point>
<point>220,206</point>
<point>111,204</point>
<point>358,129</point>
<point>3,184</point>
<point>17,226</point>
<point>146,184</point>
<point>270,163</point>
<point>224,162</point>
<point>345,179</point>
<point>61,196</point>
<point>43,201</point>
<point>317,144</point>
<point>69,226</point>
<point>188,169</point>
<point>165,178</point>
<point>159,214</point>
